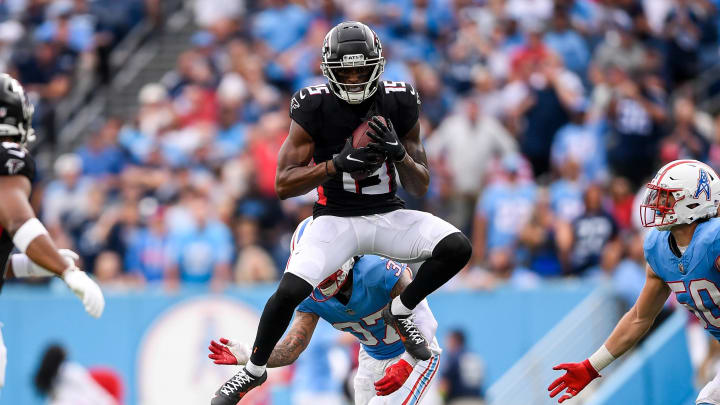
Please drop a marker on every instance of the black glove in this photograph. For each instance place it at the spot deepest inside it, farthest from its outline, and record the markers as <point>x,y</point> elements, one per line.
<point>386,139</point>
<point>357,159</point>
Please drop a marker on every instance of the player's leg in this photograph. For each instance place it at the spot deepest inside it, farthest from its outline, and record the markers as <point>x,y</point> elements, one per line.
<point>415,387</point>
<point>710,394</point>
<point>408,235</point>
<point>324,246</point>
<point>369,370</point>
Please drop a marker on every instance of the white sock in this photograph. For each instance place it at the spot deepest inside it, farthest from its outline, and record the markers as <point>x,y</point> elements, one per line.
<point>398,308</point>
<point>255,370</point>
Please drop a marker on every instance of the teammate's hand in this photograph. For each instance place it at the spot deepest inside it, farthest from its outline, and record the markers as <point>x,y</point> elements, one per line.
<point>229,352</point>
<point>69,255</point>
<point>86,289</point>
<point>386,138</point>
<point>577,377</point>
<point>357,159</point>
<point>395,376</point>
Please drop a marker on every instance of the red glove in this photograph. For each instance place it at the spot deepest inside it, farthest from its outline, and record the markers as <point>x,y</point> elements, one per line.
<point>395,377</point>
<point>228,352</point>
<point>578,376</point>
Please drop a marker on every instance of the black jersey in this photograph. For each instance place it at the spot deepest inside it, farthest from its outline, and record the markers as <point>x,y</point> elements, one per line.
<point>14,161</point>
<point>330,121</point>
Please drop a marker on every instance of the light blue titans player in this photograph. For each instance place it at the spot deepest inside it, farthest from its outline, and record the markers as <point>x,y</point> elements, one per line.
<point>683,255</point>
<point>352,299</point>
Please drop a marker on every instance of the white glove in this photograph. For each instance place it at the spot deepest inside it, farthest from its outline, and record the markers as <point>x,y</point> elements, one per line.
<point>24,267</point>
<point>86,289</point>
<point>229,352</point>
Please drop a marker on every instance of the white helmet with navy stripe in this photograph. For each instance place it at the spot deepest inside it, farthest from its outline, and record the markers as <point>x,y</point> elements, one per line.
<point>682,192</point>
<point>333,283</point>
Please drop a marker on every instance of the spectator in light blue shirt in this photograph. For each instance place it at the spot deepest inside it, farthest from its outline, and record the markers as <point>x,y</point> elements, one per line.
<point>504,209</point>
<point>281,25</point>
<point>567,43</point>
<point>583,141</point>
<point>566,193</point>
<point>202,254</point>
<point>149,254</point>
<point>80,27</point>
<point>102,156</point>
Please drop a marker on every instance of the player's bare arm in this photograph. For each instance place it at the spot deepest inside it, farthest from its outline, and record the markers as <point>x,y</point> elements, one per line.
<point>15,211</point>
<point>638,320</point>
<point>294,176</point>
<point>230,352</point>
<point>296,340</point>
<point>413,170</point>
<point>633,326</point>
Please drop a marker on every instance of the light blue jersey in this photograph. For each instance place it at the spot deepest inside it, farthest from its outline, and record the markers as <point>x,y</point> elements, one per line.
<point>694,277</point>
<point>373,278</point>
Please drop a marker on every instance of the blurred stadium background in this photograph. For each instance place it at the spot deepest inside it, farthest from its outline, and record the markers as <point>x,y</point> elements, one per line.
<point>160,122</point>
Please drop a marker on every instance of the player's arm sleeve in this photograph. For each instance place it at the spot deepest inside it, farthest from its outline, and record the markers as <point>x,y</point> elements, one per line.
<point>16,161</point>
<point>302,110</point>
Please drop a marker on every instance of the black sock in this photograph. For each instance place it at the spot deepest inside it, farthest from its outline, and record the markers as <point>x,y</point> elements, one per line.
<point>449,256</point>
<point>277,315</point>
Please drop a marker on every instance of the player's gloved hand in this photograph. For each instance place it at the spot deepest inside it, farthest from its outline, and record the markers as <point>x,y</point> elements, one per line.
<point>577,377</point>
<point>229,352</point>
<point>395,376</point>
<point>356,159</point>
<point>86,289</point>
<point>386,138</point>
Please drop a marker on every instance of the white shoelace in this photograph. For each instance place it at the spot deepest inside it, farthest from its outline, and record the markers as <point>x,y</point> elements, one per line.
<point>234,383</point>
<point>409,325</point>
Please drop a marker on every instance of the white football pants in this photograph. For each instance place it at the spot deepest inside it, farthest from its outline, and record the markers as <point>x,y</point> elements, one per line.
<point>403,235</point>
<point>415,389</point>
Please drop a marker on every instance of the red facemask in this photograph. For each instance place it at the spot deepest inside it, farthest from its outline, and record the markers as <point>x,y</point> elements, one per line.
<point>658,203</point>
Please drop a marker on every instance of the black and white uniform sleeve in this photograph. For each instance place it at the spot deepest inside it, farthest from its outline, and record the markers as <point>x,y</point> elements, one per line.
<point>405,111</point>
<point>305,108</point>
<point>15,160</point>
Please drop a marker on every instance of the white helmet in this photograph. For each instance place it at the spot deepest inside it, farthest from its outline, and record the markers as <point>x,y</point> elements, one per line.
<point>334,282</point>
<point>695,191</point>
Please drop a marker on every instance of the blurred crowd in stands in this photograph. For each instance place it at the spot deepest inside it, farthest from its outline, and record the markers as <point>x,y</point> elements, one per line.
<point>48,44</point>
<point>542,120</point>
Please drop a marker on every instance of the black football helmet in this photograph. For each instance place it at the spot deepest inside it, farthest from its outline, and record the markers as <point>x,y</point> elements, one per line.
<point>15,111</point>
<point>352,61</point>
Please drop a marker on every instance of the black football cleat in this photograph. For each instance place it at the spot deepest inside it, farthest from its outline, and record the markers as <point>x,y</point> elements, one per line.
<point>411,337</point>
<point>235,388</point>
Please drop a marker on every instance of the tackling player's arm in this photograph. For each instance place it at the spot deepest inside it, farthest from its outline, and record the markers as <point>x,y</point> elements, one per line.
<point>296,340</point>
<point>230,352</point>
<point>293,176</point>
<point>631,328</point>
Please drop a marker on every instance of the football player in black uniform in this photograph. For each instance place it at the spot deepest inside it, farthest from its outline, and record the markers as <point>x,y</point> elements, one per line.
<point>38,257</point>
<point>354,217</point>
